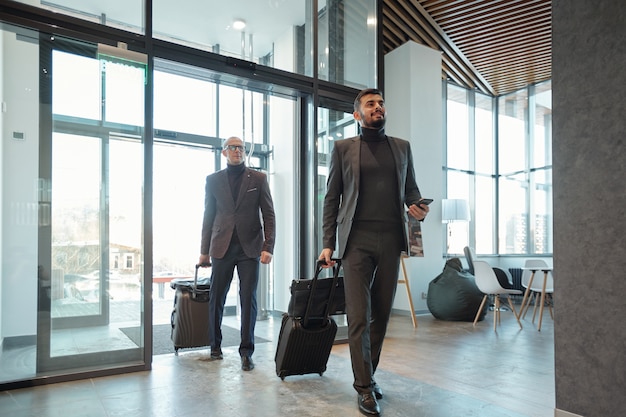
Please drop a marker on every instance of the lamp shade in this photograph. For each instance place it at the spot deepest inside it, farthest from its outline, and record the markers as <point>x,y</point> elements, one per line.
<point>454,210</point>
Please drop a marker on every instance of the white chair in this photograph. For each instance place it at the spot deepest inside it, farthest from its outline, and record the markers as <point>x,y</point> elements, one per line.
<point>488,284</point>
<point>504,277</point>
<point>536,287</point>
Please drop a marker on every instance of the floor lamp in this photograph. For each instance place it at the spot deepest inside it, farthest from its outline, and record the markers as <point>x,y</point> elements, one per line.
<point>454,210</point>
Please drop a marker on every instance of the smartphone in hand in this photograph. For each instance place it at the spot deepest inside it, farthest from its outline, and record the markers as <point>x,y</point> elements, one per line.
<point>425,201</point>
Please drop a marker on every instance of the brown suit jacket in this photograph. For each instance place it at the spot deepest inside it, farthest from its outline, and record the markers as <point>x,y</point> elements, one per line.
<point>222,214</point>
<point>343,188</point>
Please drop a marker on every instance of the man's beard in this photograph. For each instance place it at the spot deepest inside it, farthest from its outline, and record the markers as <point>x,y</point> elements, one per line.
<point>377,124</point>
<point>374,124</point>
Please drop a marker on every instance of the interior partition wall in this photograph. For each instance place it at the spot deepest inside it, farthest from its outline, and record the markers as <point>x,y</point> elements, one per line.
<point>104,155</point>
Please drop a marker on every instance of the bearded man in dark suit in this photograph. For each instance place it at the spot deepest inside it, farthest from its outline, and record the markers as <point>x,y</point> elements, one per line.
<point>371,179</point>
<point>238,229</point>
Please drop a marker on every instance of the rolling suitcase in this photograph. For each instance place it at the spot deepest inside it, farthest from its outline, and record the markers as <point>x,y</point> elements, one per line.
<point>304,343</point>
<point>190,315</point>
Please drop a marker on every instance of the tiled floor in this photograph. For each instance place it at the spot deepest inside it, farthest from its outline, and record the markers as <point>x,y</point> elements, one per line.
<point>441,369</point>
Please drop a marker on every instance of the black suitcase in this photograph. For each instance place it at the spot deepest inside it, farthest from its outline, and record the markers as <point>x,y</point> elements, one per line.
<point>190,315</point>
<point>304,343</point>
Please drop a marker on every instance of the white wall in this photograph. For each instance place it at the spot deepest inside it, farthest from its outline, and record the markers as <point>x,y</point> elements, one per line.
<point>284,46</point>
<point>20,159</point>
<point>413,98</point>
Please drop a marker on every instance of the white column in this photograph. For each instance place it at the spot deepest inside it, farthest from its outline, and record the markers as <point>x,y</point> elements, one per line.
<point>413,99</point>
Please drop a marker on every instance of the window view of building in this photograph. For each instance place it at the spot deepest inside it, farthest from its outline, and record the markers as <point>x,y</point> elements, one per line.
<point>504,172</point>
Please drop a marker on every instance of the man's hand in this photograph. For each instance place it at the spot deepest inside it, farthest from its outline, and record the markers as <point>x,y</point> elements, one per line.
<point>326,256</point>
<point>266,257</point>
<point>205,260</point>
<point>418,212</point>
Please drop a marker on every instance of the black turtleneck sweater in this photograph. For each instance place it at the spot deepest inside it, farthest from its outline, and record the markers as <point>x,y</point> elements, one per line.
<point>235,176</point>
<point>378,206</point>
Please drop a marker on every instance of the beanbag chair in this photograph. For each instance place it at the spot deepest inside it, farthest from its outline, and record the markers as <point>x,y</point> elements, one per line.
<point>453,294</point>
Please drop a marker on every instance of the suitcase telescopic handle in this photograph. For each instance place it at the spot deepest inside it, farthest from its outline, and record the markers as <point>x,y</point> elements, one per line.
<point>195,277</point>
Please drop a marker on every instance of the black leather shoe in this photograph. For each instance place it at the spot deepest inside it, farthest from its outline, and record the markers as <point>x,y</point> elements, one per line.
<point>246,363</point>
<point>368,405</point>
<point>216,354</point>
<point>377,390</point>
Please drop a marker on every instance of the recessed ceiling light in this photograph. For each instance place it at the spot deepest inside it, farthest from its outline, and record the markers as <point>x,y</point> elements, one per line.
<point>239,24</point>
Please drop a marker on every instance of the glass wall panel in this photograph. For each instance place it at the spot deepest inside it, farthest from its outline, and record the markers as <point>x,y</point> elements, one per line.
<point>458,140</point>
<point>458,231</point>
<point>484,137</point>
<point>541,211</point>
<point>541,170</point>
<point>542,131</point>
<point>241,114</point>
<point>519,175</point>
<point>183,160</point>
<point>72,188</point>
<point>513,227</point>
<point>76,217</point>
<point>179,177</point>
<point>484,214</point>
<point>512,137</point>
<point>512,168</point>
<point>79,223</point>
<point>332,125</point>
<point>122,14</point>
<point>20,207</point>
<point>347,42</point>
<point>184,104</point>
<point>96,223</point>
<point>525,161</point>
<point>483,222</point>
<point>85,86</point>
<point>124,89</point>
<point>458,157</point>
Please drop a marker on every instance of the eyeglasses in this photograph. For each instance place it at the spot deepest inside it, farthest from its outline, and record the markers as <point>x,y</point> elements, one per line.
<point>235,148</point>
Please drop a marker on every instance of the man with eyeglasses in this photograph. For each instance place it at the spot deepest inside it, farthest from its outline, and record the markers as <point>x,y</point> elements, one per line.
<point>238,230</point>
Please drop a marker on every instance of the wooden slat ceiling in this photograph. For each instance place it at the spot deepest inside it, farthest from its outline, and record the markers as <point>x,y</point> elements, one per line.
<point>495,46</point>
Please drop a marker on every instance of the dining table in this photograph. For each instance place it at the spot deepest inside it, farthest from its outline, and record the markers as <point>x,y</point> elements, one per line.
<point>533,269</point>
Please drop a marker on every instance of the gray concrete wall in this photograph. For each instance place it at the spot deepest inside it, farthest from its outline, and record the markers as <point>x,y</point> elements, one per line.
<point>589,168</point>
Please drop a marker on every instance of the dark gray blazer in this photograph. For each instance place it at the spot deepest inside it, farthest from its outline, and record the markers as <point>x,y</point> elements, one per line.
<point>222,213</point>
<point>342,192</point>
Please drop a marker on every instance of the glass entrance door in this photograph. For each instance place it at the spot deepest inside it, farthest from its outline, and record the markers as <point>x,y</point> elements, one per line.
<point>334,122</point>
<point>90,208</point>
<point>194,113</point>
<point>78,285</point>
